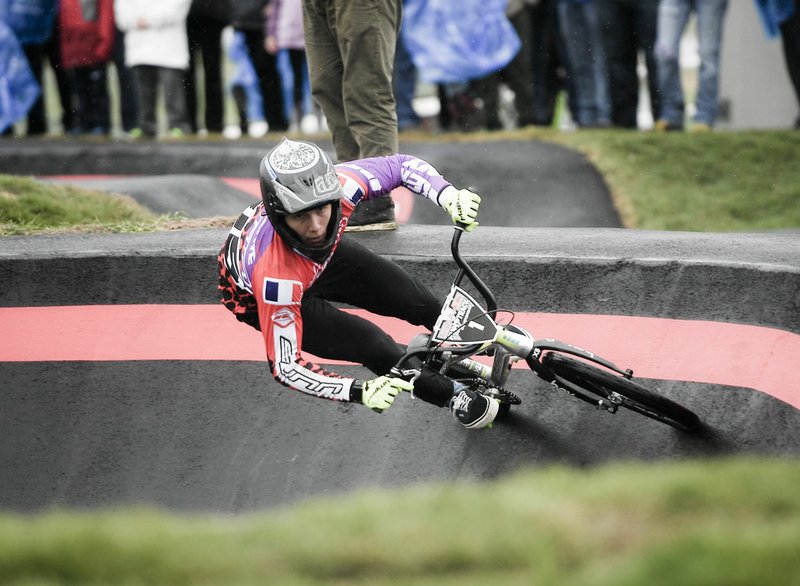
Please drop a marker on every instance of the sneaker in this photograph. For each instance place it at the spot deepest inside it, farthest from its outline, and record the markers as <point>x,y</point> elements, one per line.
<point>473,410</point>
<point>700,127</point>
<point>257,129</point>
<point>232,131</point>
<point>309,124</point>
<point>666,126</point>
<point>373,214</point>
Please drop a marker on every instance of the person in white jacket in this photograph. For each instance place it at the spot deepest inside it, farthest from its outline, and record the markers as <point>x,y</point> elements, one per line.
<point>157,51</point>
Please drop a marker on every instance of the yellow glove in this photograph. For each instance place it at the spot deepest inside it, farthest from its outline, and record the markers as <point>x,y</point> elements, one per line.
<point>378,394</point>
<point>462,205</point>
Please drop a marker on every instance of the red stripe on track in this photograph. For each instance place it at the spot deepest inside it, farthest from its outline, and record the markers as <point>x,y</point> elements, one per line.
<point>701,351</point>
<point>87,177</point>
<point>250,186</point>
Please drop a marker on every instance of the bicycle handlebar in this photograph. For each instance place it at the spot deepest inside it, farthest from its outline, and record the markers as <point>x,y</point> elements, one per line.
<point>463,270</point>
<point>466,270</point>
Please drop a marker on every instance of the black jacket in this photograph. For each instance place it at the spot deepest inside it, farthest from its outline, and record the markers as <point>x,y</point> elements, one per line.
<point>219,10</point>
<point>249,14</point>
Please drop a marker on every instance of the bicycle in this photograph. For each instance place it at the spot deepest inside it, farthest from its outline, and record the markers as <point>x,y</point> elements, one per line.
<point>466,328</point>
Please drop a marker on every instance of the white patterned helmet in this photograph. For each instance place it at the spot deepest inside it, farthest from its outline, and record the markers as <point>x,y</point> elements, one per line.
<point>299,176</point>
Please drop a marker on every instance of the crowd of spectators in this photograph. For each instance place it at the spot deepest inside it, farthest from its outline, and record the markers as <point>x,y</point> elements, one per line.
<point>202,54</point>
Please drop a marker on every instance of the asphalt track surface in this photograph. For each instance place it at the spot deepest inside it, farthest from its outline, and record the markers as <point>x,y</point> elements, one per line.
<point>124,382</point>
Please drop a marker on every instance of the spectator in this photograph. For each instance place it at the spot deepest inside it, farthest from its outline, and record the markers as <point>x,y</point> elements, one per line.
<point>455,43</point>
<point>351,46</point>
<point>248,18</point>
<point>586,63</point>
<point>87,41</point>
<point>518,74</point>
<point>782,17</point>
<point>34,24</point>
<point>16,78</point>
<point>284,32</point>
<point>244,88</point>
<point>629,27</point>
<point>404,86</point>
<point>673,16</point>
<point>157,49</point>
<point>549,72</point>
<point>204,25</point>
<point>128,104</point>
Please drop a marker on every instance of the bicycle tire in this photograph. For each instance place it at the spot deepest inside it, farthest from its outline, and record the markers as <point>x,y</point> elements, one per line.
<point>630,394</point>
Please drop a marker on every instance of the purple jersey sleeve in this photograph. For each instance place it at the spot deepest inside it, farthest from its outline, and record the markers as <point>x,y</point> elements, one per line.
<point>378,176</point>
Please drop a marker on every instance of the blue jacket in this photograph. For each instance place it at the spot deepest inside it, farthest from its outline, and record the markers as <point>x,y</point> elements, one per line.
<point>18,87</point>
<point>457,41</point>
<point>773,13</point>
<point>31,20</point>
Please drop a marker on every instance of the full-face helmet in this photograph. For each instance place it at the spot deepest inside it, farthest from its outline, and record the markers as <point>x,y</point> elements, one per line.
<point>295,177</point>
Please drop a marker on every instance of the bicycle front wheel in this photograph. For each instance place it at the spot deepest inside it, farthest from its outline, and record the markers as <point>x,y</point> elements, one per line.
<point>622,391</point>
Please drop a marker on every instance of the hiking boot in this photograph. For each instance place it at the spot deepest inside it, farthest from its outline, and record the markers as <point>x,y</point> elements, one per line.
<point>472,409</point>
<point>373,214</point>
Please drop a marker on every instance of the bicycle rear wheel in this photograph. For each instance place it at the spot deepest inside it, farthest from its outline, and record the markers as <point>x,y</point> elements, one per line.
<point>622,391</point>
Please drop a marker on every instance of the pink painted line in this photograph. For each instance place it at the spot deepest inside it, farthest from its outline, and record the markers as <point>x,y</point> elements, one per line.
<point>85,177</point>
<point>249,186</point>
<point>700,351</point>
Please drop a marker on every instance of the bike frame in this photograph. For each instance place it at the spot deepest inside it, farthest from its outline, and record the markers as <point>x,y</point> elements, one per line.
<point>509,343</point>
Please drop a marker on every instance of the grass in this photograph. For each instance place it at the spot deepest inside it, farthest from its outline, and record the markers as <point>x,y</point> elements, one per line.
<point>28,206</point>
<point>712,182</point>
<point>731,522</point>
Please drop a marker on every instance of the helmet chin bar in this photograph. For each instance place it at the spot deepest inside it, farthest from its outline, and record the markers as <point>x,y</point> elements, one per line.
<point>317,253</point>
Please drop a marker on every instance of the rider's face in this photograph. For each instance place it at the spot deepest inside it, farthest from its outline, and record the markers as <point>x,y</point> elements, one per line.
<point>312,225</point>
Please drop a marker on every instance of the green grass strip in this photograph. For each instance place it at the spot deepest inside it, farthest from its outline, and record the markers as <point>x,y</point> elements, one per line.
<point>729,522</point>
<point>712,182</point>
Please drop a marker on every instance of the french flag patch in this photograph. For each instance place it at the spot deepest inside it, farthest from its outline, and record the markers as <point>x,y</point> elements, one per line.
<point>282,291</point>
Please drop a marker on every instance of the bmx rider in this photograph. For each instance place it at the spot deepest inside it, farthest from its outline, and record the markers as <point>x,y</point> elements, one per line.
<point>286,261</point>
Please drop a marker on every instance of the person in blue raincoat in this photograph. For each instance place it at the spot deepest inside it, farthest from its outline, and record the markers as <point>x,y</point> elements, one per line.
<point>18,86</point>
<point>458,41</point>
<point>782,18</point>
<point>453,43</point>
<point>34,25</point>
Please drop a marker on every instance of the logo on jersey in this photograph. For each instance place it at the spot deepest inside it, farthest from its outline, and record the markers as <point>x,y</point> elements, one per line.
<point>283,317</point>
<point>282,291</point>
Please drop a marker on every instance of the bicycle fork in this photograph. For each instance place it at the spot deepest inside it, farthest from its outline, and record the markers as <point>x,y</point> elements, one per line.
<point>509,346</point>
